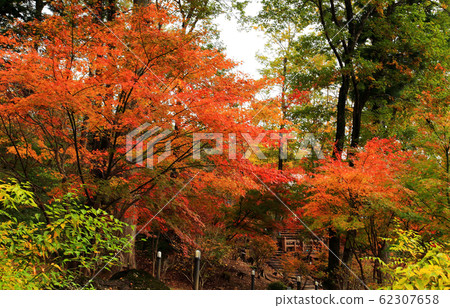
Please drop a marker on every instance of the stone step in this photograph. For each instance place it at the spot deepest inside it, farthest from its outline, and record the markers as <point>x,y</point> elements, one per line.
<point>308,286</point>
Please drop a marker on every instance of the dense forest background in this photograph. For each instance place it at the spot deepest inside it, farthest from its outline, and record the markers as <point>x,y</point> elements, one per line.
<point>367,79</point>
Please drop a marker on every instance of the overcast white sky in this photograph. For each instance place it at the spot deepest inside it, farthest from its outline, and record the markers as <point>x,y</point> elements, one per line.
<point>242,46</point>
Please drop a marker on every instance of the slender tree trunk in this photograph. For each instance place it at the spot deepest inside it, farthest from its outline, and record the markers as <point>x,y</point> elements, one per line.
<point>361,268</point>
<point>384,256</point>
<point>340,116</point>
<point>360,102</point>
<point>128,255</point>
<point>283,111</point>
<point>334,241</point>
<point>39,4</point>
<point>333,261</point>
<point>155,244</point>
<point>347,254</point>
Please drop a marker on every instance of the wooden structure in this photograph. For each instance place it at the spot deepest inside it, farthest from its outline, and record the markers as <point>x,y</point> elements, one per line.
<point>291,241</point>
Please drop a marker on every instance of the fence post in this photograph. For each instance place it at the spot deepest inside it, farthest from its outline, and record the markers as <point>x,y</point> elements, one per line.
<point>197,269</point>
<point>158,265</point>
<point>299,283</point>
<point>253,280</point>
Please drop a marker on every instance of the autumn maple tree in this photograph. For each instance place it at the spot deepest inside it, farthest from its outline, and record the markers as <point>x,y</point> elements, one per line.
<point>74,84</point>
<point>363,198</point>
<point>128,116</point>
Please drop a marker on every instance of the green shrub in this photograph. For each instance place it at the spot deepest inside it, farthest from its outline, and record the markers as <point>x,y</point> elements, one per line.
<point>37,254</point>
<point>416,264</point>
<point>277,285</point>
<point>140,280</point>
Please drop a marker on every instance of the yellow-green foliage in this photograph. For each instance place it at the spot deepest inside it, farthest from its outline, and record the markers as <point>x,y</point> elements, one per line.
<point>416,264</point>
<point>38,253</point>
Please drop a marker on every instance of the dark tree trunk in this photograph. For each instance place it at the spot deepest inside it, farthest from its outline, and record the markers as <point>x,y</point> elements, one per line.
<point>360,100</point>
<point>334,241</point>
<point>140,2</point>
<point>128,256</point>
<point>347,254</point>
<point>39,7</point>
<point>340,116</point>
<point>348,251</point>
<point>283,111</point>
<point>111,10</point>
<point>333,260</point>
